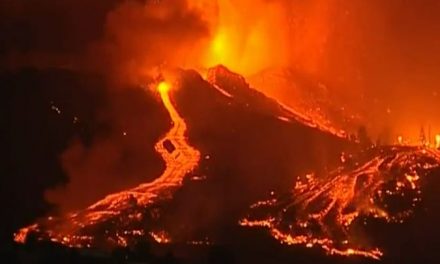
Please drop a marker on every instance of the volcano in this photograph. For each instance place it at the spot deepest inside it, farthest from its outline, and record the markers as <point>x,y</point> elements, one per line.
<point>237,159</point>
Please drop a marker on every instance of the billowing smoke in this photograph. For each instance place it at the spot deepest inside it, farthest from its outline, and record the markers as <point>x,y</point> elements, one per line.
<point>122,39</point>
<point>141,36</point>
<point>120,154</point>
<point>380,59</point>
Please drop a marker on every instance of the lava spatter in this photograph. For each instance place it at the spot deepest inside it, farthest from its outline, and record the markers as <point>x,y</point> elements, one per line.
<point>180,160</point>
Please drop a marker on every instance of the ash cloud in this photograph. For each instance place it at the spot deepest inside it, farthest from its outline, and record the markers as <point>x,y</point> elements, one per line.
<point>381,58</point>
<point>118,38</point>
<point>142,35</point>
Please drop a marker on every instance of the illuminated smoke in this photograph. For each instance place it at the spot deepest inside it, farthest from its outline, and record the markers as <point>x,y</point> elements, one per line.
<point>353,49</point>
<point>380,58</point>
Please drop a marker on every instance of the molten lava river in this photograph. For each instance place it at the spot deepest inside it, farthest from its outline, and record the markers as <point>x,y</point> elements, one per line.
<point>326,211</point>
<point>179,162</point>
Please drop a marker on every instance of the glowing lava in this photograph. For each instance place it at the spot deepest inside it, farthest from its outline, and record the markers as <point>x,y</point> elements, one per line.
<point>179,162</point>
<point>325,211</point>
<point>437,141</point>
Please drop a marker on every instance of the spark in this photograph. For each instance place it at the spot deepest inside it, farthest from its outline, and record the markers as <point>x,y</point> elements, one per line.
<point>161,237</point>
<point>56,109</point>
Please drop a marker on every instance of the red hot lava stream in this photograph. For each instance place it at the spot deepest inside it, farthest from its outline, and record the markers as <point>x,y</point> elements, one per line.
<point>323,211</point>
<point>179,162</point>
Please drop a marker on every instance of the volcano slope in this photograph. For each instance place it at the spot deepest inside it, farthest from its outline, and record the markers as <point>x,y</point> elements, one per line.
<point>250,148</point>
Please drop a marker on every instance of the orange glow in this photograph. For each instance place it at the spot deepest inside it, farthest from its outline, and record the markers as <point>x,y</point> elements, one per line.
<point>437,141</point>
<point>249,36</point>
<point>243,36</point>
<point>287,114</point>
<point>219,48</point>
<point>21,235</point>
<point>163,87</point>
<point>329,205</point>
<point>252,37</point>
<point>161,237</point>
<point>319,41</point>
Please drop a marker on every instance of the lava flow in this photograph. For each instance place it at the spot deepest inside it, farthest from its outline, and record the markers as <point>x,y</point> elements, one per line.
<point>328,211</point>
<point>180,159</point>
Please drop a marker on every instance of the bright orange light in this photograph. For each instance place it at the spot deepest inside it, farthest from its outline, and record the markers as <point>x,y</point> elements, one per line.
<point>219,46</point>
<point>163,87</point>
<point>400,140</point>
<point>437,141</point>
<point>222,50</point>
<point>247,36</point>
